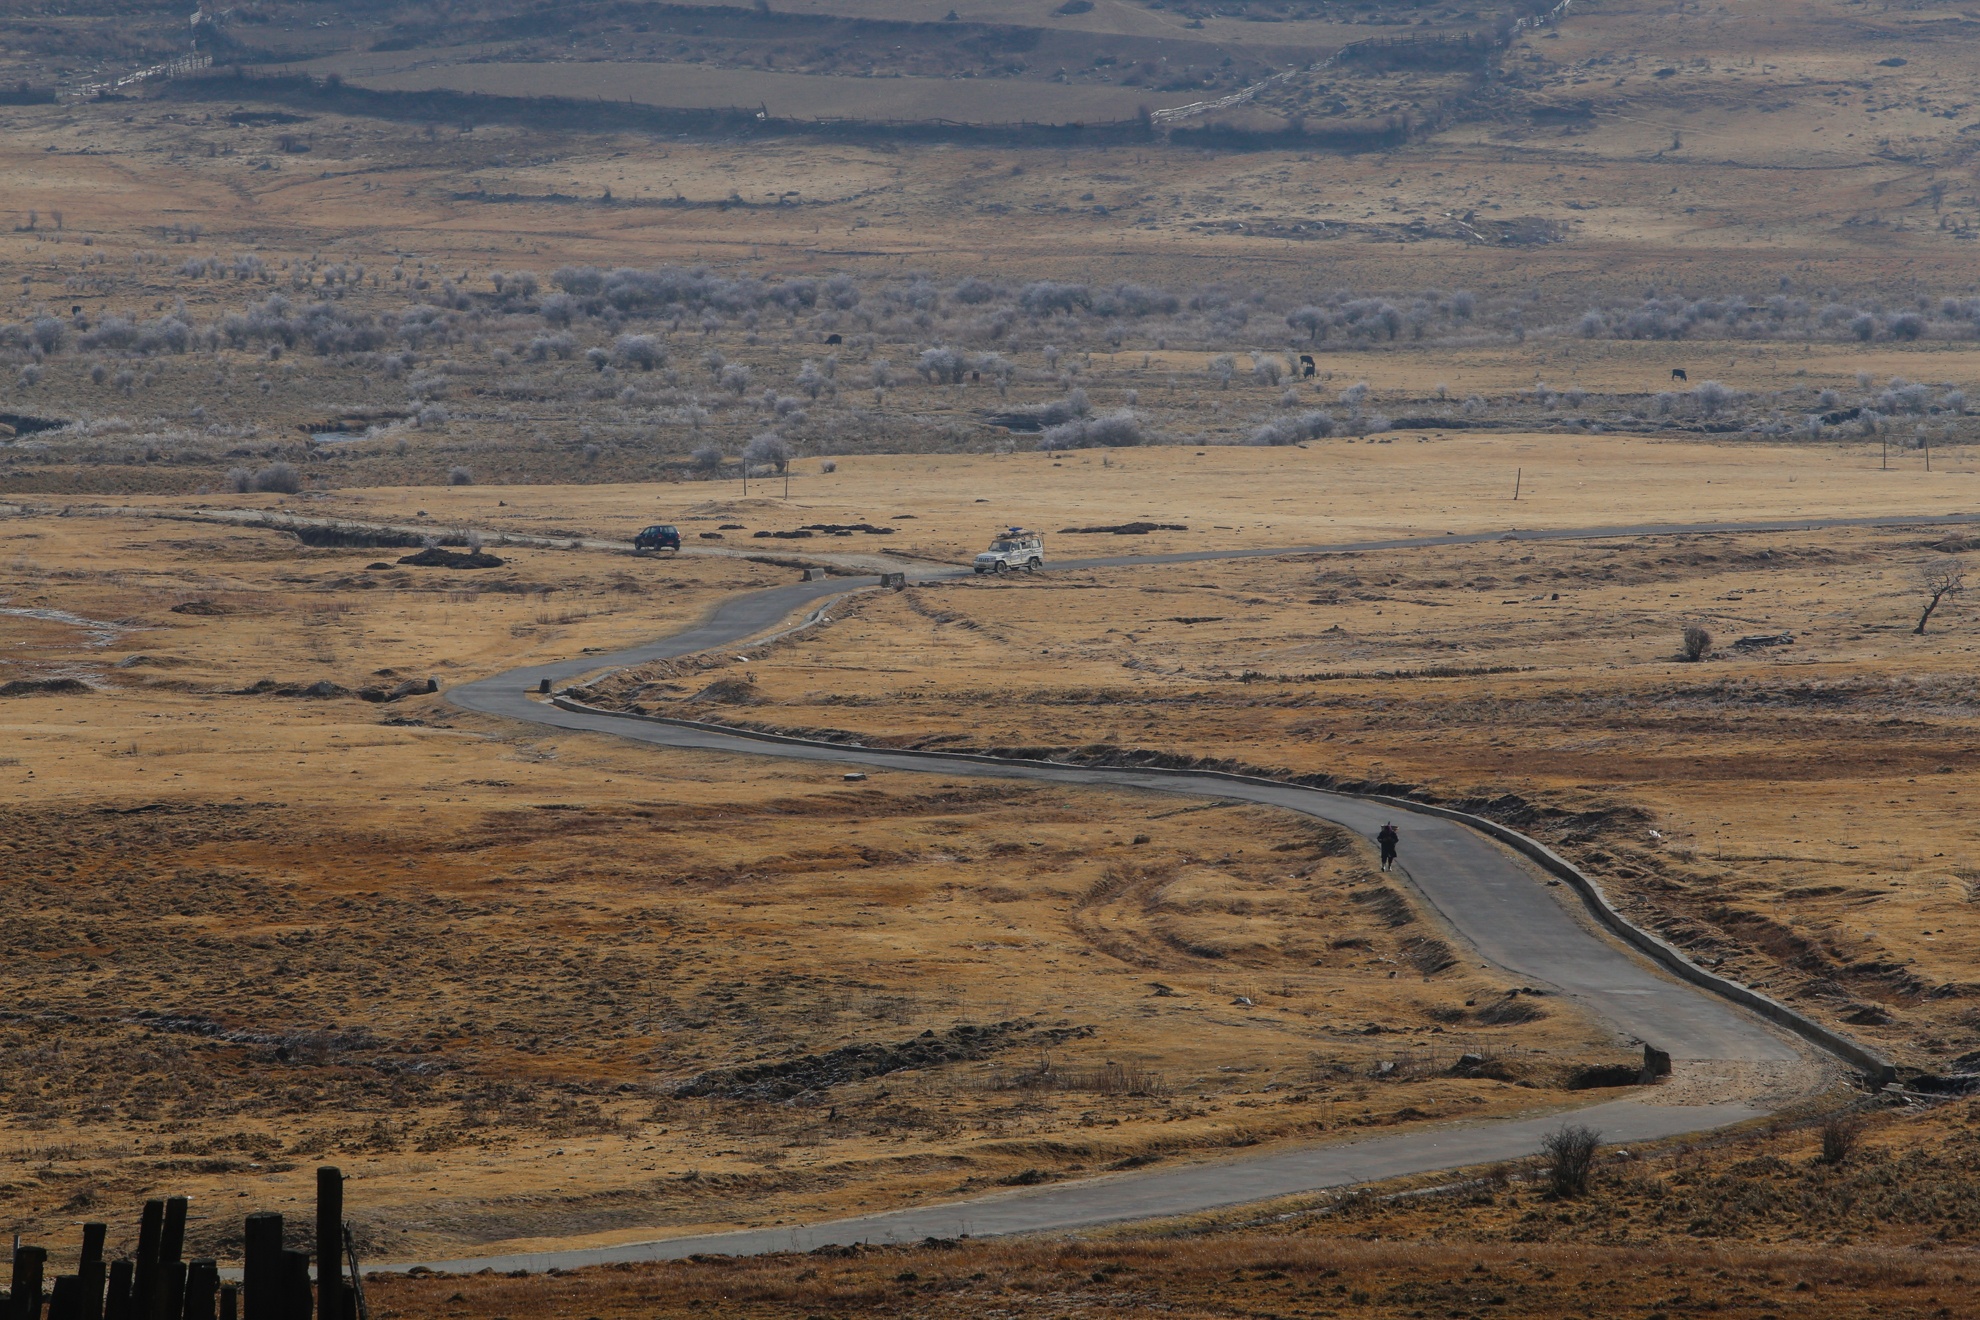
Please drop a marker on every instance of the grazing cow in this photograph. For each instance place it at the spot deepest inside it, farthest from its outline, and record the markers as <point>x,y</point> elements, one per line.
<point>1677,373</point>
<point>834,339</point>
<point>1305,365</point>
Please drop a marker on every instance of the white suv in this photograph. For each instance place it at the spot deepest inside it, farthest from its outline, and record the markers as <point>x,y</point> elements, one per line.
<point>1015,548</point>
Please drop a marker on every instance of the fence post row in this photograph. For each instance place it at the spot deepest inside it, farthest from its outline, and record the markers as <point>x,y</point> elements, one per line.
<point>157,1283</point>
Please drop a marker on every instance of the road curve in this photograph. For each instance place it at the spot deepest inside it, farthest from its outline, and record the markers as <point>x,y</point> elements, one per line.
<point>1507,911</point>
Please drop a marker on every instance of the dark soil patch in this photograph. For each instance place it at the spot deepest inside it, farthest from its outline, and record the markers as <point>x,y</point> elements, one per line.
<point>1124,529</point>
<point>852,1063</point>
<point>435,557</point>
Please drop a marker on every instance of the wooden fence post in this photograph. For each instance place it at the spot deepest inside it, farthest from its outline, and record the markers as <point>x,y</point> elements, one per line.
<point>202,1287</point>
<point>24,1298</point>
<point>65,1298</point>
<point>117,1304</point>
<point>329,1243</point>
<point>144,1278</point>
<point>230,1302</point>
<point>261,1275</point>
<point>169,1282</point>
<point>91,1271</point>
<point>294,1301</point>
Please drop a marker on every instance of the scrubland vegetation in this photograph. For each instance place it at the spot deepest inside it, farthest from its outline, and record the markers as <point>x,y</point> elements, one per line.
<point>415,374</point>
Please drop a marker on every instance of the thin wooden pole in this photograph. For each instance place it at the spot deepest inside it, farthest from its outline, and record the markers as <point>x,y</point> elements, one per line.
<point>1519,475</point>
<point>357,1275</point>
<point>329,1243</point>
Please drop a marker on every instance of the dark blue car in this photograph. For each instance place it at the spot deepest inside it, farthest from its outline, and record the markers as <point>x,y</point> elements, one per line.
<point>658,537</point>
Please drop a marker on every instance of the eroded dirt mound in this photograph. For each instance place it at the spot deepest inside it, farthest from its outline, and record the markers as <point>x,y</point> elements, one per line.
<point>27,687</point>
<point>435,557</point>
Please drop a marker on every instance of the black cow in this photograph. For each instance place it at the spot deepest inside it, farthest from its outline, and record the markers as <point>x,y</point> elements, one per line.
<point>1677,373</point>
<point>1305,365</point>
<point>834,339</point>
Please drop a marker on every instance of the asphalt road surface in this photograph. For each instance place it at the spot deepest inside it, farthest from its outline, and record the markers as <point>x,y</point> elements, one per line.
<point>1506,910</point>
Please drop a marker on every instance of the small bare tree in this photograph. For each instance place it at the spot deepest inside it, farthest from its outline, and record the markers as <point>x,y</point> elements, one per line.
<point>1697,643</point>
<point>1839,1137</point>
<point>1569,1155</point>
<point>1939,582</point>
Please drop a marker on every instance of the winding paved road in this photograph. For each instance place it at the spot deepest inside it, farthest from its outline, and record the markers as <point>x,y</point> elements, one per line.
<point>1491,897</point>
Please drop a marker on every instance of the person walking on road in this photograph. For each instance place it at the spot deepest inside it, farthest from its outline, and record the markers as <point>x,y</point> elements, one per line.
<point>1388,838</point>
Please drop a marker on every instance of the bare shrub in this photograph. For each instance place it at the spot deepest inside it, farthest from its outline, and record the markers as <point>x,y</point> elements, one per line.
<point>768,448</point>
<point>278,478</point>
<point>828,466</point>
<point>811,380</point>
<point>942,366</point>
<point>459,476</point>
<point>1110,430</point>
<point>1712,397</point>
<point>641,351</point>
<point>1293,430</point>
<point>1311,319</point>
<point>1569,1157</point>
<point>1697,643</point>
<point>240,480</point>
<point>708,458</point>
<point>1840,1133</point>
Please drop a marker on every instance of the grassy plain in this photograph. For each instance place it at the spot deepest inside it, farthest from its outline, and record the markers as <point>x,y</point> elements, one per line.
<point>1411,484</point>
<point>508,979</point>
<point>1719,800</point>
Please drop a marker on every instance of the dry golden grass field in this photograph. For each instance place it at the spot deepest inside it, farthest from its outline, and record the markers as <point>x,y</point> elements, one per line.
<point>508,979</point>
<point>1758,1226</point>
<point>1783,1221</point>
<point>270,902</point>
